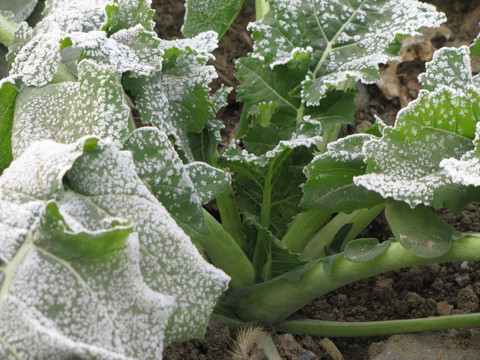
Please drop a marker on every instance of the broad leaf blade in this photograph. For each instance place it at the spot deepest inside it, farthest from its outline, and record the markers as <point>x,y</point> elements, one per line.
<point>169,262</point>
<point>448,67</point>
<point>134,49</point>
<point>36,54</point>
<point>69,110</point>
<point>125,14</point>
<point>182,189</point>
<point>405,163</point>
<point>177,101</point>
<point>346,39</point>
<point>330,185</point>
<point>419,230</point>
<point>363,250</point>
<point>31,180</point>
<point>214,15</point>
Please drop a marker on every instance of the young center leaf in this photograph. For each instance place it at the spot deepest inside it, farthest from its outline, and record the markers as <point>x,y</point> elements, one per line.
<point>267,178</point>
<point>69,110</point>
<point>406,164</point>
<point>345,39</point>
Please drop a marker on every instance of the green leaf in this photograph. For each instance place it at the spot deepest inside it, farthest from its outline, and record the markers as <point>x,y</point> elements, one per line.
<point>125,14</point>
<point>62,235</point>
<point>276,165</point>
<point>177,101</point>
<point>268,90</point>
<point>8,95</point>
<point>36,52</point>
<point>449,67</point>
<point>405,163</point>
<point>21,9</point>
<point>279,260</point>
<point>135,49</point>
<point>475,47</point>
<point>330,185</point>
<point>204,145</point>
<point>182,189</point>
<point>345,39</point>
<point>169,262</point>
<point>25,186</point>
<point>419,230</point>
<point>363,250</point>
<point>216,15</point>
<point>69,110</point>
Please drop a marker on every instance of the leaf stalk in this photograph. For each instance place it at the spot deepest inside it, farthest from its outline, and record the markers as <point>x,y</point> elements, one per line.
<point>255,304</point>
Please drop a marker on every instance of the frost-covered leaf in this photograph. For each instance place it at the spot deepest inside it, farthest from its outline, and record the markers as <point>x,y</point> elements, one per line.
<point>21,9</point>
<point>125,14</point>
<point>405,163</point>
<point>131,44</point>
<point>177,101</point>
<point>169,262</point>
<point>216,15</point>
<point>182,189</point>
<point>71,291</point>
<point>31,180</point>
<point>8,95</point>
<point>69,110</point>
<point>449,67</point>
<point>346,39</point>
<point>419,230</point>
<point>36,52</point>
<point>330,176</point>
<point>267,164</point>
<point>133,49</point>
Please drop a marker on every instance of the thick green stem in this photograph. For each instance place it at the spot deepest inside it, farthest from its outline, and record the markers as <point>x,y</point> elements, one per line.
<point>268,346</point>
<point>275,300</point>
<point>328,137</point>
<point>261,8</point>
<point>377,328</point>
<point>7,29</point>
<point>355,223</point>
<point>231,221</point>
<point>266,208</point>
<point>225,254</point>
<point>303,228</point>
<point>259,253</point>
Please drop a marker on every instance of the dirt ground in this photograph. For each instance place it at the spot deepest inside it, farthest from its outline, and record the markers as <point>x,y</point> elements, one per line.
<point>432,290</point>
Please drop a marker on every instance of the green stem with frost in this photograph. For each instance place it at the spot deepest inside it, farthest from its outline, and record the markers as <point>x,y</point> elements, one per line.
<point>275,300</point>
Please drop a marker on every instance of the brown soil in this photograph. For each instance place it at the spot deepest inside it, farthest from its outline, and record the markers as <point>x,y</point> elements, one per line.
<point>410,293</point>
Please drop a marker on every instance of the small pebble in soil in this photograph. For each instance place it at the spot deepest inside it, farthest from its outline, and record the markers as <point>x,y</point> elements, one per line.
<point>467,300</point>
<point>444,308</point>
<point>463,280</point>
